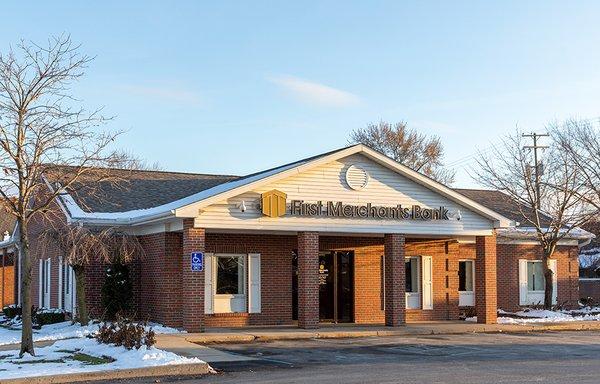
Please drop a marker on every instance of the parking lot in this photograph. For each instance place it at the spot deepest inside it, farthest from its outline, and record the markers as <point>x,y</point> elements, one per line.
<point>551,357</point>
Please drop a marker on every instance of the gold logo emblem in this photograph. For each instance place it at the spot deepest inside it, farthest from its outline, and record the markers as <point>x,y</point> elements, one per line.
<point>273,203</point>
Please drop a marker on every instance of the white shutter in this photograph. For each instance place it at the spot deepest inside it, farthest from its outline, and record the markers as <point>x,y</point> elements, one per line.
<point>554,281</point>
<point>60,282</point>
<point>48,282</point>
<point>209,297</point>
<point>40,282</point>
<point>523,299</point>
<point>254,299</point>
<point>427,283</point>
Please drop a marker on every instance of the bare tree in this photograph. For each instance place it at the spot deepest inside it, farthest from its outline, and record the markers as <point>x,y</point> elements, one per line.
<point>82,246</point>
<point>415,150</point>
<point>580,139</point>
<point>42,124</point>
<point>552,204</point>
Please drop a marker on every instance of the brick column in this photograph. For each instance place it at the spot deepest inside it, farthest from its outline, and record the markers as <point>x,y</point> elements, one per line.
<point>192,287</point>
<point>394,280</point>
<point>308,280</point>
<point>486,297</point>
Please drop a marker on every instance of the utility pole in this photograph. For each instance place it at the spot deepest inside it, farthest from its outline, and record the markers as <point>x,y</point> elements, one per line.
<point>538,164</point>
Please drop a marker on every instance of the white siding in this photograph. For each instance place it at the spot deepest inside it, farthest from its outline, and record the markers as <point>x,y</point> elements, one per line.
<point>327,183</point>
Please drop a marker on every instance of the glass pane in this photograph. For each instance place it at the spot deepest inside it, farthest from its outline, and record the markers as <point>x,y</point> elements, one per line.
<point>228,275</point>
<point>469,276</point>
<point>412,275</point>
<point>461,276</point>
<point>408,269</point>
<point>535,276</point>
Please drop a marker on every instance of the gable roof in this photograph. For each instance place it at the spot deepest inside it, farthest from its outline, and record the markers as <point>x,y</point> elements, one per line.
<point>220,187</point>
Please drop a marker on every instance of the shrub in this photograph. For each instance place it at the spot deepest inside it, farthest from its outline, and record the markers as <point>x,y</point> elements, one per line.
<point>12,311</point>
<point>48,316</point>
<point>126,333</point>
<point>117,292</point>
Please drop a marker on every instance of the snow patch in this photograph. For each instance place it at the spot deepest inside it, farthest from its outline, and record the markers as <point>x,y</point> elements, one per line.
<point>58,359</point>
<point>67,330</point>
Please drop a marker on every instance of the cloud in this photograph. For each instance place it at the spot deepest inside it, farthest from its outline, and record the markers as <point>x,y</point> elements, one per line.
<point>164,92</point>
<point>315,93</point>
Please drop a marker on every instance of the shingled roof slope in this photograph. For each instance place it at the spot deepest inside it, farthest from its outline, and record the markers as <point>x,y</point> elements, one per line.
<point>125,190</point>
<point>503,204</point>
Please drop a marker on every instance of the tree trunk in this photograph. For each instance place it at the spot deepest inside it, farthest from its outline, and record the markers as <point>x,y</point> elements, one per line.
<point>82,313</point>
<point>548,277</point>
<point>27,330</point>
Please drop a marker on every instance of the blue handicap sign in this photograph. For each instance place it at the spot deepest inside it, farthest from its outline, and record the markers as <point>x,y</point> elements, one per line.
<point>197,261</point>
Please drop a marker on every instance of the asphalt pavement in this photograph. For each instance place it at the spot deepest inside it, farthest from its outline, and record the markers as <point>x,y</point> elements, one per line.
<point>549,357</point>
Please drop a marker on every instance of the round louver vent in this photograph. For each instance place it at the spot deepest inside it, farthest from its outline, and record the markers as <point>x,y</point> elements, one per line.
<point>356,177</point>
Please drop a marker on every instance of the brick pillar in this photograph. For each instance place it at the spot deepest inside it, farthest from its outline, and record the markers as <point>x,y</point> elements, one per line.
<point>192,287</point>
<point>486,297</point>
<point>394,280</point>
<point>308,280</point>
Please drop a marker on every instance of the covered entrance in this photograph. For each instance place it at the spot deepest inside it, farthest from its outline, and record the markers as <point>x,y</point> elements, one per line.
<point>336,286</point>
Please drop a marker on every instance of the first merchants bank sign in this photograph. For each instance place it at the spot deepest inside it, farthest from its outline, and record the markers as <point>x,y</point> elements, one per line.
<point>274,205</point>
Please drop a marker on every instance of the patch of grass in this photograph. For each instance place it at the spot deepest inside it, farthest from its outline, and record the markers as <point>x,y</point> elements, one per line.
<point>66,350</point>
<point>92,360</point>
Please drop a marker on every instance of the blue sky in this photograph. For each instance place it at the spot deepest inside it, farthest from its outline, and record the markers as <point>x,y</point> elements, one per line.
<point>236,87</point>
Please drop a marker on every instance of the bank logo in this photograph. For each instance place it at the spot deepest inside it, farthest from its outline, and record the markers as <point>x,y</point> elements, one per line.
<point>273,203</point>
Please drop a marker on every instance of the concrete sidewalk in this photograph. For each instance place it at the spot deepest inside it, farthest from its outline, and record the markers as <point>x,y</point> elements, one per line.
<point>180,342</point>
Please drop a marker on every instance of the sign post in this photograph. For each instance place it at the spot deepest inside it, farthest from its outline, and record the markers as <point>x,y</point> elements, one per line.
<point>197,261</point>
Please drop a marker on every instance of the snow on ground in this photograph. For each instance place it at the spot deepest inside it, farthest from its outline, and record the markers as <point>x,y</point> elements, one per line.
<point>59,359</point>
<point>530,316</point>
<point>65,330</point>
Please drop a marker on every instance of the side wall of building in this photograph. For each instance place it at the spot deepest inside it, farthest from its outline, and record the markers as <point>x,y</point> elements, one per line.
<point>508,273</point>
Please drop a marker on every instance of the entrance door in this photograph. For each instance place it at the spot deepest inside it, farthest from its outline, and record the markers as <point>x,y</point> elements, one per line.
<point>336,286</point>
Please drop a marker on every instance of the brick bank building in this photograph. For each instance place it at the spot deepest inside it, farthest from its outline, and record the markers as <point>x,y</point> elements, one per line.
<point>348,236</point>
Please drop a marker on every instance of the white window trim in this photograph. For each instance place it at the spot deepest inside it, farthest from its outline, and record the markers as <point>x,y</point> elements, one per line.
<point>467,298</point>
<point>527,297</point>
<point>472,274</point>
<point>244,284</point>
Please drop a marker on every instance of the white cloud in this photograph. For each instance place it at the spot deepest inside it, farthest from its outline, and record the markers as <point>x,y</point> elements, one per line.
<point>164,92</point>
<point>315,93</point>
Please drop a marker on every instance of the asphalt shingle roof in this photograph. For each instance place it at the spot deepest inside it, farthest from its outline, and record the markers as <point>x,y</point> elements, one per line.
<point>128,190</point>
<point>501,203</point>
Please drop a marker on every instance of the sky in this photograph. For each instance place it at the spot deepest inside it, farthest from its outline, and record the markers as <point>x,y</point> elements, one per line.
<point>236,87</point>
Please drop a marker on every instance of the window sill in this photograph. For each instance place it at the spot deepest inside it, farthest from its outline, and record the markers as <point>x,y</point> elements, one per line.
<point>230,314</point>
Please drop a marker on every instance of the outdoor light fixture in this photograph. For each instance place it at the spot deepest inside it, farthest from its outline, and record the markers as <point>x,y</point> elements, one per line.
<point>242,206</point>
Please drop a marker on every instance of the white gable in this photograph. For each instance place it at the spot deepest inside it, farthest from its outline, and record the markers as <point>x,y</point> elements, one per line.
<point>327,182</point>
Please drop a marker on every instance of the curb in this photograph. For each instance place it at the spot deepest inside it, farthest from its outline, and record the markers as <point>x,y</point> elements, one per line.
<point>164,370</point>
<point>248,337</point>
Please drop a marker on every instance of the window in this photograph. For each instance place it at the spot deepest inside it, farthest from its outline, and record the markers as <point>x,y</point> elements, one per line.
<point>413,297</point>
<point>230,275</point>
<point>465,276</point>
<point>535,276</point>
<point>412,275</point>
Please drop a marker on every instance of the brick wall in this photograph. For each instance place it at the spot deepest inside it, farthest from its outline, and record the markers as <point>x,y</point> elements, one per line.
<point>276,277</point>
<point>158,278</point>
<point>508,273</point>
<point>7,279</point>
